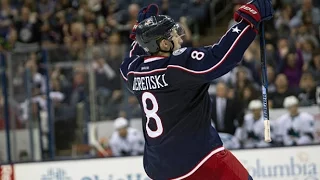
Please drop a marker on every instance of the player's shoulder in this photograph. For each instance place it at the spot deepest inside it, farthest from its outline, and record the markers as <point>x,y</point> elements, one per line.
<point>284,117</point>
<point>114,137</point>
<point>184,55</point>
<point>189,51</point>
<point>134,61</point>
<point>133,131</point>
<point>248,117</point>
<point>306,116</point>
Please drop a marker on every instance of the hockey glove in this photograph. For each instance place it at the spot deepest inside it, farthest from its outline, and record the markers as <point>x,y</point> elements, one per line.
<point>254,12</point>
<point>144,13</point>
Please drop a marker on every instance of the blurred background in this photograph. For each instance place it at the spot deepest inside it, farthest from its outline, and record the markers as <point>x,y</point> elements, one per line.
<point>61,90</point>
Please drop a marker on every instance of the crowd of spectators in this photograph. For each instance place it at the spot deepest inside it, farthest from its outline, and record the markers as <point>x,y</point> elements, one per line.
<point>292,56</point>
<point>87,34</point>
<point>81,38</point>
<point>293,51</point>
<point>78,33</point>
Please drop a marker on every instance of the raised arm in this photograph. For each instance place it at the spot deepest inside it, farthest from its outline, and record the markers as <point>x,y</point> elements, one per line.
<point>214,61</point>
<point>135,50</point>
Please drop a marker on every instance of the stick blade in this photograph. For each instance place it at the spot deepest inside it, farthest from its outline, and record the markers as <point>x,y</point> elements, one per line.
<point>267,135</point>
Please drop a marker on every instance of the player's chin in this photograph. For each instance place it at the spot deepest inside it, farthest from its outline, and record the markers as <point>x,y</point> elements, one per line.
<point>176,47</point>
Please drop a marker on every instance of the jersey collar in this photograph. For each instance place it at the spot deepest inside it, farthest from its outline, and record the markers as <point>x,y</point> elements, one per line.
<point>153,58</point>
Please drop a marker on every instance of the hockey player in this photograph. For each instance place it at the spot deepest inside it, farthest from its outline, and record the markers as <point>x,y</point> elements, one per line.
<point>126,141</point>
<point>171,85</point>
<point>295,128</point>
<point>251,134</point>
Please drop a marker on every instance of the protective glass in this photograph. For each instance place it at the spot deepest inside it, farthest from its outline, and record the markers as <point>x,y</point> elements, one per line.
<point>176,31</point>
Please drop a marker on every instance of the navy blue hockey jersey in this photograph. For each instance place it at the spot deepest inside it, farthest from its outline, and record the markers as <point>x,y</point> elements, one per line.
<point>173,94</point>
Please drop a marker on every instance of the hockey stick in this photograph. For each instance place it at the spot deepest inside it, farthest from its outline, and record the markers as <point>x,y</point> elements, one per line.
<point>264,87</point>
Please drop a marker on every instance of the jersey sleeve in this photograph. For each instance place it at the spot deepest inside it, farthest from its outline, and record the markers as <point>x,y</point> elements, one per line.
<point>211,62</point>
<point>116,150</point>
<point>138,145</point>
<point>134,52</point>
<point>307,130</point>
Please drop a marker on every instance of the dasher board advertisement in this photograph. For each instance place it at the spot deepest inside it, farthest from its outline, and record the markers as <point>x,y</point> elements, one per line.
<point>292,163</point>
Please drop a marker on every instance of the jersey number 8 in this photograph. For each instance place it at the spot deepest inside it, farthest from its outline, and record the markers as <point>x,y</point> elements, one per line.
<point>197,55</point>
<point>152,113</point>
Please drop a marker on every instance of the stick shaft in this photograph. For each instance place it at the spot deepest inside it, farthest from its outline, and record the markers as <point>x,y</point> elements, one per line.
<point>264,86</point>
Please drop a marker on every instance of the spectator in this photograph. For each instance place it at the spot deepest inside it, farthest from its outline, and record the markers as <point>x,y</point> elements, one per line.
<point>114,53</point>
<point>29,4</point>
<point>60,83</point>
<point>314,67</point>
<point>63,5</point>
<point>37,80</point>
<point>307,7</point>
<point>104,73</point>
<point>46,9</point>
<point>282,91</point>
<point>271,55</point>
<point>7,15</point>
<point>223,121</point>
<point>109,7</point>
<point>250,61</point>
<point>295,128</point>
<point>94,5</point>
<point>251,133</point>
<point>126,141</point>
<point>283,50</point>
<point>123,25</point>
<point>292,68</point>
<point>75,41</point>
<point>28,29</point>
<point>307,94</point>
<point>305,33</point>
<point>271,78</point>
<point>46,37</point>
<point>91,32</point>
<point>103,30</point>
<point>308,47</point>
<point>104,76</point>
<point>87,15</point>
<point>283,17</point>
<point>56,95</point>
<point>134,107</point>
<point>58,27</point>
<point>242,80</point>
<point>79,90</point>
<point>249,93</point>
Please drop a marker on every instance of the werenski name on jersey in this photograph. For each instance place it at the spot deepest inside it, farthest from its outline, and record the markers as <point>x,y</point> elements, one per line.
<point>149,82</point>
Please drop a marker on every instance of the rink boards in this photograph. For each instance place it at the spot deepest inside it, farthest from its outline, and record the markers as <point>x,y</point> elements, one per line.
<point>291,163</point>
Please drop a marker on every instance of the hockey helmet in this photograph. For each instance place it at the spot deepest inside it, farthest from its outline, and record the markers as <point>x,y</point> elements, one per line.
<point>152,30</point>
<point>290,101</point>
<point>120,123</point>
<point>255,104</point>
